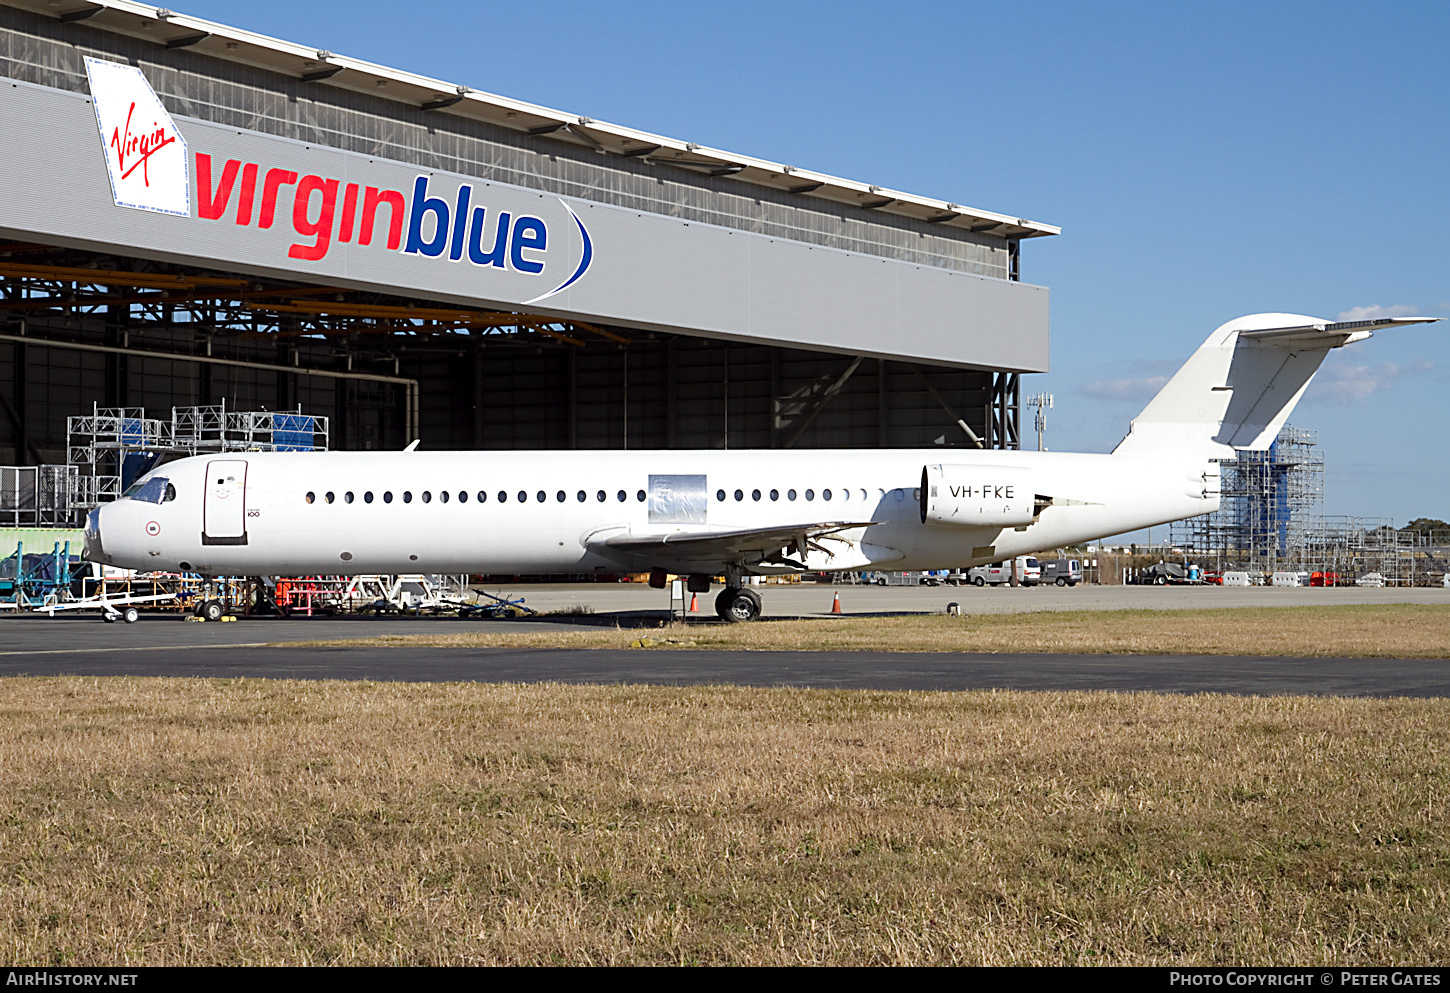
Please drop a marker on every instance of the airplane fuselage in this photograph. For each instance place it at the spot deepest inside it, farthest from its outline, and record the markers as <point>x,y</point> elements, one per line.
<point>304,513</point>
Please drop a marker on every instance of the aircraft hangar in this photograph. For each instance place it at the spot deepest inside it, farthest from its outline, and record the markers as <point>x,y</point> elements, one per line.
<point>419,260</point>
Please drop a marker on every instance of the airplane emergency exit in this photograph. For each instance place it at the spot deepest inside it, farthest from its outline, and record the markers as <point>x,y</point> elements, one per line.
<point>719,513</point>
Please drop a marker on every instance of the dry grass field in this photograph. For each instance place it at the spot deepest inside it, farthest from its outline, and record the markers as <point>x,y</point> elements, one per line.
<point>148,821</point>
<point>1379,631</point>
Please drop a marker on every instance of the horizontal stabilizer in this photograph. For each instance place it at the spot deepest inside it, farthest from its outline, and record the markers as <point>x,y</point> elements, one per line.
<point>1330,335</point>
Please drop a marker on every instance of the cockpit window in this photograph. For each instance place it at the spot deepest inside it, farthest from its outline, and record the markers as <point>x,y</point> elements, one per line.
<point>153,489</point>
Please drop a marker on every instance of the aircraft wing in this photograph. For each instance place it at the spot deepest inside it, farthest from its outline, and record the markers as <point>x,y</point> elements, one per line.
<point>748,545</point>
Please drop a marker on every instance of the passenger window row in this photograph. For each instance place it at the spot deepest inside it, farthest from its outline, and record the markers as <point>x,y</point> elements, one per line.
<point>426,496</point>
<point>756,495</point>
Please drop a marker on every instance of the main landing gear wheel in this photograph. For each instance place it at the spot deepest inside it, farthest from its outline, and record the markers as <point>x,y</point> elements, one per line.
<point>735,604</point>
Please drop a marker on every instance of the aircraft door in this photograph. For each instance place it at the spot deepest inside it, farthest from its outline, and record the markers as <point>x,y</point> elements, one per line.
<point>224,510</point>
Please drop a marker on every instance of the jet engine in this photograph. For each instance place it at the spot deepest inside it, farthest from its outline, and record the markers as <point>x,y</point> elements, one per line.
<point>977,496</point>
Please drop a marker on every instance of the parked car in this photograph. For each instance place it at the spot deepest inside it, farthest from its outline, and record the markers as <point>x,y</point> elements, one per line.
<point>1029,572</point>
<point>1062,572</point>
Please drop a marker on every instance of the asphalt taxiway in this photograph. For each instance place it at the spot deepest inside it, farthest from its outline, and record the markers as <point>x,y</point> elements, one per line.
<point>163,644</point>
<point>166,646</point>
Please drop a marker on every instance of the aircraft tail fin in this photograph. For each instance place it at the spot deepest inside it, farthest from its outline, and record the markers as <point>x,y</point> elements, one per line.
<point>1239,388</point>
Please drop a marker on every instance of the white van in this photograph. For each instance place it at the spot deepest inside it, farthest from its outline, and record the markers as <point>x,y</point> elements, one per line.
<point>1029,573</point>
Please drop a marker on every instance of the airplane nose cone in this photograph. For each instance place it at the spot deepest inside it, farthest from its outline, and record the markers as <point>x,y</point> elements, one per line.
<point>91,549</point>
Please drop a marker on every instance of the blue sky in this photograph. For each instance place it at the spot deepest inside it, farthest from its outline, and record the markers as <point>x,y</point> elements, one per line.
<point>1204,161</point>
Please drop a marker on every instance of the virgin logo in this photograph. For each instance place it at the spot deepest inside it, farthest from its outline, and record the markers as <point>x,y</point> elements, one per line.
<point>145,152</point>
<point>138,147</point>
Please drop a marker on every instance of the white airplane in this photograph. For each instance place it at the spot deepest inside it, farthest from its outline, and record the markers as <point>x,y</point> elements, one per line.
<point>712,513</point>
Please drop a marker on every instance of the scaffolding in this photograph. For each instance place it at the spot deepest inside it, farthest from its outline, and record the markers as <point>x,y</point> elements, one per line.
<point>38,496</point>
<point>1271,520</point>
<point>210,429</point>
<point>99,443</point>
<point>112,446</point>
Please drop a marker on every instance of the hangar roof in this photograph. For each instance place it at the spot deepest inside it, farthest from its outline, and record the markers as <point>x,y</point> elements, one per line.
<point>173,30</point>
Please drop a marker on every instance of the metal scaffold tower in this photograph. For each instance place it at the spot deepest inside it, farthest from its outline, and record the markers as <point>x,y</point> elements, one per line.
<point>112,446</point>
<point>215,429</point>
<point>100,442</point>
<point>1269,503</point>
<point>1271,519</point>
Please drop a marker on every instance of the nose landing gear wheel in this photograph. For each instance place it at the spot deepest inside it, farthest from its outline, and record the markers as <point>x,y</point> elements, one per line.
<point>212,610</point>
<point>736,605</point>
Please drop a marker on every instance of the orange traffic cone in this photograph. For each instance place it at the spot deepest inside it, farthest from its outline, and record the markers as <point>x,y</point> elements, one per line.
<point>694,604</point>
<point>836,604</point>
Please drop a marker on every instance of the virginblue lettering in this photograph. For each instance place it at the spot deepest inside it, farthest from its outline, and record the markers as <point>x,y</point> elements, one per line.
<point>476,254</point>
<point>529,232</point>
<point>455,249</point>
<point>424,204</point>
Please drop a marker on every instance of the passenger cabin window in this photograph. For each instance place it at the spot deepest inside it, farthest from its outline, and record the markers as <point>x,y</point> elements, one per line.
<point>482,497</point>
<point>755,495</point>
<point>790,494</point>
<point>583,496</point>
<point>810,494</point>
<point>347,496</point>
<point>640,496</point>
<point>462,496</point>
<point>775,494</point>
<point>561,496</point>
<point>503,497</point>
<point>542,496</point>
<point>427,497</point>
<point>825,494</point>
<point>311,497</point>
<point>600,496</point>
<point>739,495</point>
<point>331,496</point>
<point>443,496</point>
<point>523,497</point>
<point>621,496</point>
<point>407,496</point>
<point>387,496</point>
<point>368,497</point>
<point>720,496</point>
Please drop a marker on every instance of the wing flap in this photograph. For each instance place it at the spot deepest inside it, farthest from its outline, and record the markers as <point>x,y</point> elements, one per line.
<point>730,544</point>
